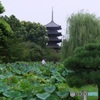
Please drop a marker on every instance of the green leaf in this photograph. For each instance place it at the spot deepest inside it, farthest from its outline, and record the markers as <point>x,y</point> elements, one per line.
<point>27,69</point>
<point>58,76</point>
<point>50,89</point>
<point>12,94</point>
<point>53,97</point>
<point>4,87</point>
<point>62,86</point>
<point>25,85</point>
<point>63,94</point>
<point>43,96</point>
<point>2,77</point>
<point>65,73</point>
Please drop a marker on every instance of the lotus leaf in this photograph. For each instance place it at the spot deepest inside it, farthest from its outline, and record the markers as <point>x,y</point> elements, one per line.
<point>2,77</point>
<point>43,96</point>
<point>53,97</point>
<point>12,94</point>
<point>58,76</point>
<point>3,87</point>
<point>63,94</point>
<point>50,89</point>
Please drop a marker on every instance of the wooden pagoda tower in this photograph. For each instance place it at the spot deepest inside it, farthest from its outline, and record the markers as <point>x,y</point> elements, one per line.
<point>53,34</point>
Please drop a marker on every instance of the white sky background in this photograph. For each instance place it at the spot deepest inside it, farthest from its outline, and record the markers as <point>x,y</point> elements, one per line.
<point>40,10</point>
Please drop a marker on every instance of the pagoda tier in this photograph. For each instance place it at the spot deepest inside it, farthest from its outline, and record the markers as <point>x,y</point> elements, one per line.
<point>53,34</point>
<point>53,26</point>
<point>54,39</point>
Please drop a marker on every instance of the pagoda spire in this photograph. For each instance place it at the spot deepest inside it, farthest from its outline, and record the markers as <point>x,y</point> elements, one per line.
<point>52,14</point>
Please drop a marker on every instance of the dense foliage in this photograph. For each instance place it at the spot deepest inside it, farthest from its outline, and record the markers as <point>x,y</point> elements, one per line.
<point>28,41</point>
<point>85,66</point>
<point>82,28</point>
<point>5,32</point>
<point>28,81</point>
<point>1,8</point>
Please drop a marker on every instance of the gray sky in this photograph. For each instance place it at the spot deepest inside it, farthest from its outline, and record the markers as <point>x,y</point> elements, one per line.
<point>40,10</point>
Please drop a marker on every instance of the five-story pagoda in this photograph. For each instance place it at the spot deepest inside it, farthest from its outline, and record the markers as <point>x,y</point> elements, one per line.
<point>53,34</point>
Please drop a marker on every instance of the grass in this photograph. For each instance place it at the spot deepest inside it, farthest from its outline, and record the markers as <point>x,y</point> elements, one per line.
<point>88,88</point>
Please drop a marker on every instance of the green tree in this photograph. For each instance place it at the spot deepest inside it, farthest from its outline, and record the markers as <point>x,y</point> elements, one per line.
<point>26,35</point>
<point>85,66</point>
<point>35,32</point>
<point>52,55</point>
<point>15,25</point>
<point>1,8</point>
<point>5,32</point>
<point>27,31</point>
<point>83,28</point>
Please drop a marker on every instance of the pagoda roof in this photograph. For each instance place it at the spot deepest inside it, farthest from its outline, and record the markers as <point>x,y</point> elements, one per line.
<point>52,24</point>
<point>54,40</point>
<point>54,33</point>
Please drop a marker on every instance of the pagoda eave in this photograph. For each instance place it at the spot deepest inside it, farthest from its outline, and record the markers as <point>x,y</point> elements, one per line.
<point>54,33</point>
<point>59,34</point>
<point>53,28</point>
<point>54,40</point>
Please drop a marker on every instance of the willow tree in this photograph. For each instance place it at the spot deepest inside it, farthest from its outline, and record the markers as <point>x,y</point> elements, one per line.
<point>85,66</point>
<point>83,28</point>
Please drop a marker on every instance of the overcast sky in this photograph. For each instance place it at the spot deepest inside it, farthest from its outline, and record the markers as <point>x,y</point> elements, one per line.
<point>40,10</point>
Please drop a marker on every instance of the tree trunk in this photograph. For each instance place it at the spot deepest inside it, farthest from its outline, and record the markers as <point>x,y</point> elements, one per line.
<point>98,91</point>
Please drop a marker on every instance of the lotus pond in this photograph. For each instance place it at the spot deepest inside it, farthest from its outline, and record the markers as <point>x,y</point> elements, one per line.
<point>33,81</point>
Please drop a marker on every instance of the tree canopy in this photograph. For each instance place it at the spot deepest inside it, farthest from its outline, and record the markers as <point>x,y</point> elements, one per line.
<point>28,35</point>
<point>82,28</point>
<point>1,8</point>
<point>85,66</point>
<point>5,32</point>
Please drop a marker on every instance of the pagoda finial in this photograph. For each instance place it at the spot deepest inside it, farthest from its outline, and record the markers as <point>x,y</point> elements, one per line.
<point>52,13</point>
